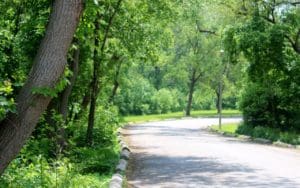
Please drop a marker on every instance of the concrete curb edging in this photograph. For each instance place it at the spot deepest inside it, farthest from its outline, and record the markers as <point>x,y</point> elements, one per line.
<point>118,177</point>
<point>255,140</point>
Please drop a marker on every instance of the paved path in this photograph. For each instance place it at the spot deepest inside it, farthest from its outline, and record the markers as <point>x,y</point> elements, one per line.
<point>181,153</point>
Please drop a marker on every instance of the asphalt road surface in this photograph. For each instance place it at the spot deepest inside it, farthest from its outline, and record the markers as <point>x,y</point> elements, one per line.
<point>181,153</point>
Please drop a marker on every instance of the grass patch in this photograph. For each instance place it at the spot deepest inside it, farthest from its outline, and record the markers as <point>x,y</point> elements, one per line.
<point>228,128</point>
<point>177,115</point>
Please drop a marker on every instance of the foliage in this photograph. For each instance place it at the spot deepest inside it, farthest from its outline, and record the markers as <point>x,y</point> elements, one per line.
<point>164,101</point>
<point>7,103</point>
<point>40,173</point>
<point>136,96</point>
<point>270,98</point>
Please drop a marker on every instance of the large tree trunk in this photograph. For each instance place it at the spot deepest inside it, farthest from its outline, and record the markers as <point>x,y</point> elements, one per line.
<point>49,66</point>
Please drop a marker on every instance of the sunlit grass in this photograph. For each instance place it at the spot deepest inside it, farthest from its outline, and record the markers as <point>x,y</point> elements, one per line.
<point>228,128</point>
<point>177,115</point>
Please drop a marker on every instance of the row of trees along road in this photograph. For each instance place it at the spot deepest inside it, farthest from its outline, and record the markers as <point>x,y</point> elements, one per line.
<point>73,64</point>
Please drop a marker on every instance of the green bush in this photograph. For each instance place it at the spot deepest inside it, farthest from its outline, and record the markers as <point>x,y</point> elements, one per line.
<point>106,122</point>
<point>291,138</point>
<point>245,129</point>
<point>42,174</point>
<point>163,101</point>
<point>95,160</point>
<point>137,92</point>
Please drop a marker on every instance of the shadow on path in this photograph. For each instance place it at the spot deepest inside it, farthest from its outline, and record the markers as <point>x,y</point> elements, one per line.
<point>195,172</point>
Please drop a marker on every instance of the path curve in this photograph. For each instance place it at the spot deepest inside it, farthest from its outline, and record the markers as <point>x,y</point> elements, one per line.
<point>181,153</point>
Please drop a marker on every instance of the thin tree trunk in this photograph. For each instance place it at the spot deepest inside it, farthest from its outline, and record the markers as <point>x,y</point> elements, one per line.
<point>193,80</point>
<point>94,84</point>
<point>191,92</point>
<point>49,65</point>
<point>63,106</point>
<point>114,91</point>
<point>218,99</point>
<point>67,91</point>
<point>190,99</point>
<point>116,83</point>
<point>96,74</point>
<point>84,103</point>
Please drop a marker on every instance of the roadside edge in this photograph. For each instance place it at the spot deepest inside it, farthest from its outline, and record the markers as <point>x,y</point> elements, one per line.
<point>119,175</point>
<point>254,140</point>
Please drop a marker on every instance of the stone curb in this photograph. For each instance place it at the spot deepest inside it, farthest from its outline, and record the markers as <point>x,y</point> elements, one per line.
<point>118,177</point>
<point>256,140</point>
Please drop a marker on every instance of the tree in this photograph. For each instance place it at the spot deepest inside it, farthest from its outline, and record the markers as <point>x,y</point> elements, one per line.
<point>268,39</point>
<point>198,46</point>
<point>37,92</point>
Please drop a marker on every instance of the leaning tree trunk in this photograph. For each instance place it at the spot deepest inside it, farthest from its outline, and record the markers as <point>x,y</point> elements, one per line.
<point>49,66</point>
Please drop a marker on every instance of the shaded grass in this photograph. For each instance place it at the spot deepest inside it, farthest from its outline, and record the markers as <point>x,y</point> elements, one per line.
<point>177,115</point>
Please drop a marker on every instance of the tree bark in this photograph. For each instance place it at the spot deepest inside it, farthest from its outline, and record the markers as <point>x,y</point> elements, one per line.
<point>191,92</point>
<point>49,65</point>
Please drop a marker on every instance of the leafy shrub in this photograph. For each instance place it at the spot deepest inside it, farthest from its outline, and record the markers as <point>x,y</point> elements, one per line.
<point>135,96</point>
<point>245,129</point>
<point>106,122</point>
<point>96,159</point>
<point>204,99</point>
<point>291,138</point>
<point>163,101</point>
